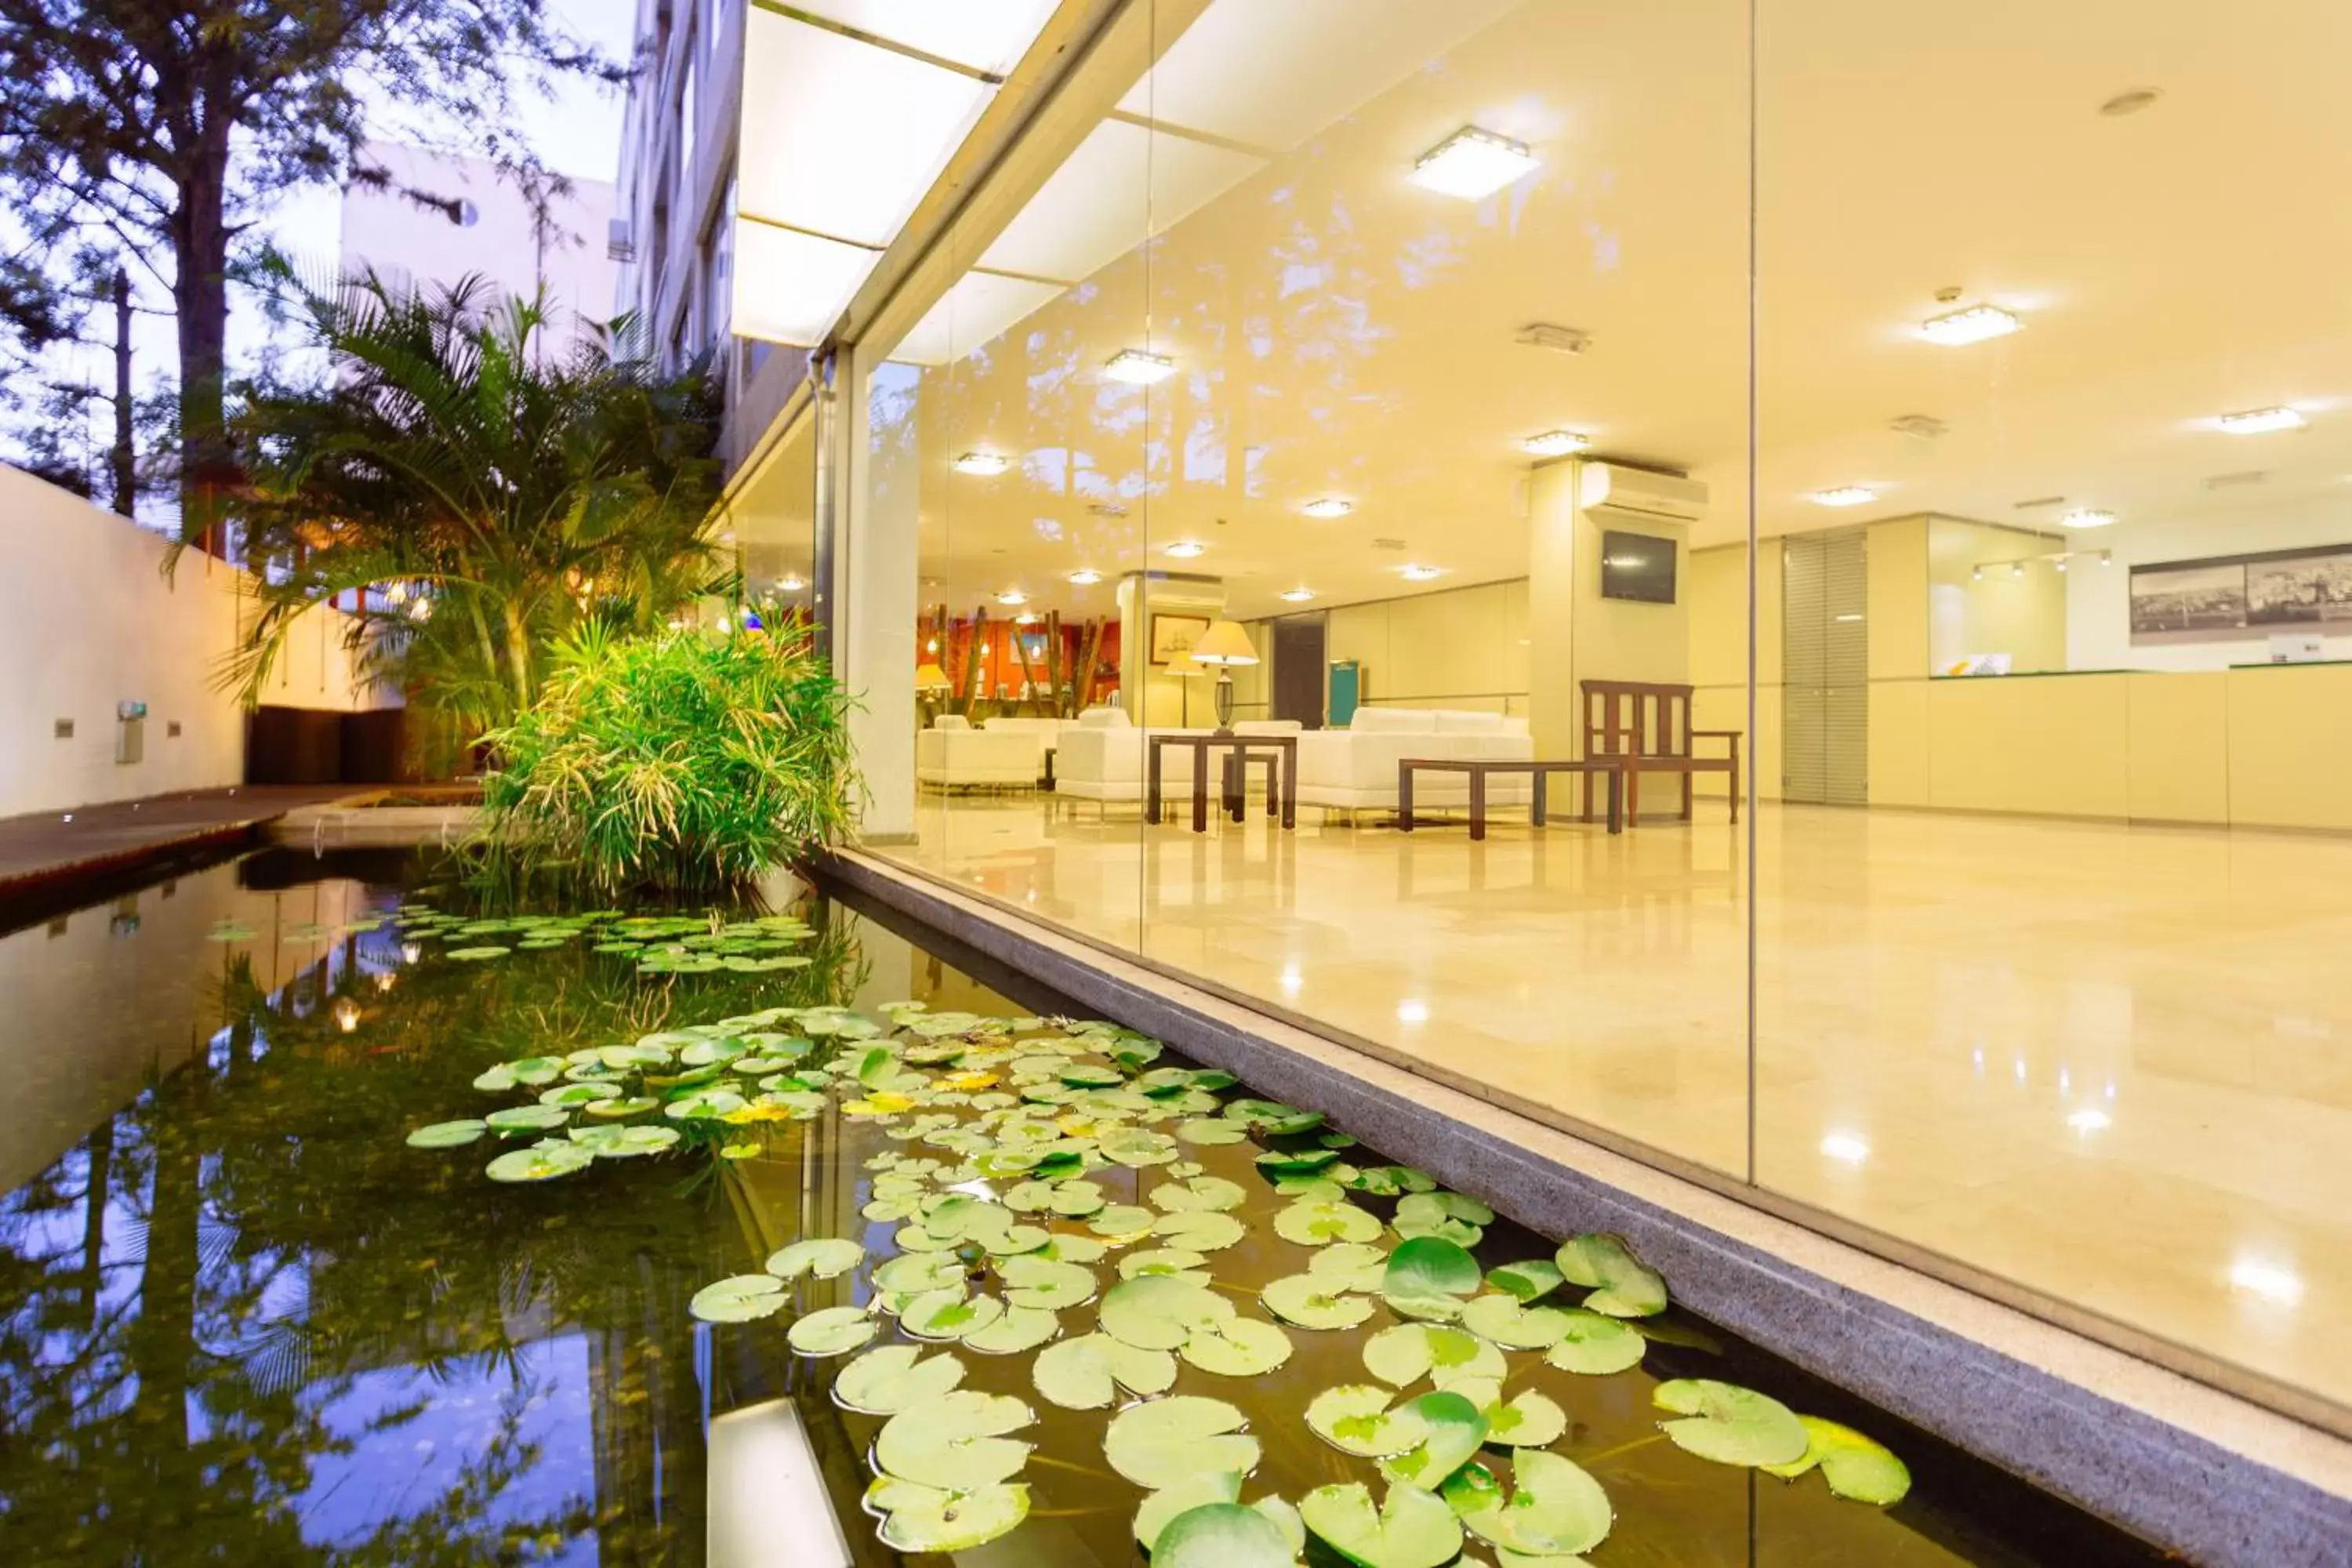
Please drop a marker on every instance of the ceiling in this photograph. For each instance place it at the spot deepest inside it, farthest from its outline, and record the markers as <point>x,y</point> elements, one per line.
<point>1340,332</point>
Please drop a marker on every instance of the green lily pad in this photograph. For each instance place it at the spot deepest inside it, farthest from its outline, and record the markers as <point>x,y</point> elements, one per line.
<point>475,954</point>
<point>1177,1262</point>
<point>1412,1529</point>
<point>1312,1302</point>
<point>1858,1467</point>
<point>1200,1195</point>
<point>1201,1231</point>
<point>1273,1117</point>
<point>1312,1223</point>
<point>930,1518</point>
<point>1392,1181</point>
<point>1159,1311</point>
<point>1594,1345</point>
<point>1221,1535</point>
<point>1427,1276</point>
<point>1554,1508</point>
<point>624,1142</point>
<point>628,1105</point>
<point>1236,1347</point>
<point>1087,1373</point>
<point>1515,1327</point>
<point>1299,1163</point>
<point>738,1300</point>
<point>956,1442</point>
<point>949,1314</point>
<point>1351,1266</point>
<point>527,1119</point>
<point>1019,1329</point>
<point>1133,1146</point>
<point>832,1331</point>
<point>541,1161</point>
<point>1622,1286</point>
<point>894,1378</point>
<point>1043,1283</point>
<point>913,1273</point>
<point>1158,1444</point>
<point>1730,1425</point>
<point>1122,1219</point>
<point>447,1134</point>
<point>1357,1418</point>
<point>818,1256</point>
<point>1454,1426</point>
<point>1159,1509</point>
<point>1529,1420</point>
<point>1408,1352</point>
<point>1209,1131</point>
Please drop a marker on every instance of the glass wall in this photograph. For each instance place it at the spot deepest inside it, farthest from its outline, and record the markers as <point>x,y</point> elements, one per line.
<point>1375,380</point>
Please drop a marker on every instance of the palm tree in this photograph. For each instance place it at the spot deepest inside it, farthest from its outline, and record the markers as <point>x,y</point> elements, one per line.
<point>487,490</point>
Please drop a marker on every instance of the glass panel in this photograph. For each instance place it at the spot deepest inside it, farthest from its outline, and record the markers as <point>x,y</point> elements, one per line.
<point>2053,921</point>
<point>771,523</point>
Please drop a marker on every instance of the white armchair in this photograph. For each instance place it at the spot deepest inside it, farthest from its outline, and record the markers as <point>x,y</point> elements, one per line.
<point>951,754</point>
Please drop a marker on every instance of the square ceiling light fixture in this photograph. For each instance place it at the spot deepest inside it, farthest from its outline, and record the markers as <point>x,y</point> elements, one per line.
<point>1013,596</point>
<point>1329,505</point>
<point>1085,577</point>
<point>1138,368</point>
<point>1845,495</point>
<point>982,463</point>
<point>1417,573</point>
<point>1472,163</point>
<point>1555,444</point>
<point>2261,421</point>
<point>2087,517</point>
<point>1298,595</point>
<point>1183,549</point>
<point>1972,324</point>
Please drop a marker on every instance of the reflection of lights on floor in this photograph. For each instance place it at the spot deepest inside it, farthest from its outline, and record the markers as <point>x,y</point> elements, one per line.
<point>2020,1069</point>
<point>2268,1281</point>
<point>2090,1121</point>
<point>1292,980</point>
<point>1412,1012</point>
<point>1851,1148</point>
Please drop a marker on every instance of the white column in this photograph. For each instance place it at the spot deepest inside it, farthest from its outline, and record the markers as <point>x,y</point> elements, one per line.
<point>1552,717</point>
<point>876,583</point>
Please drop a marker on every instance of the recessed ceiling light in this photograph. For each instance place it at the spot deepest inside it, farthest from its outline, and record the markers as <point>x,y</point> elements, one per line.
<point>1086,577</point>
<point>1298,595</point>
<point>1555,444</point>
<point>1329,505</point>
<point>2261,421</point>
<point>1139,368</point>
<point>1013,596</point>
<point>1183,549</point>
<point>2087,518</point>
<point>1972,325</point>
<point>1845,495</point>
<point>1418,573</point>
<point>982,463</point>
<point>1472,163</point>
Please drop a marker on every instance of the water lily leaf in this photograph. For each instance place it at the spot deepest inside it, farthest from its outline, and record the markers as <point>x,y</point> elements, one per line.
<point>1020,1329</point>
<point>1529,1420</point>
<point>956,1442</point>
<point>913,1273</point>
<point>540,1163</point>
<point>1408,1352</point>
<point>1312,1302</point>
<point>570,1096</point>
<point>894,1378</point>
<point>475,954</point>
<point>1310,1188</point>
<point>1087,1373</point>
<point>1017,1240</point>
<point>1221,1535</point>
<point>832,1331</point>
<point>1297,1163</point>
<point>1159,1509</point>
<point>447,1134</point>
<point>1170,1260</point>
<point>819,1256</point>
<point>1554,1508</point>
<point>949,1522</point>
<point>1595,1346</point>
<point>1356,1418</point>
<point>1442,1205</point>
<point>1622,1286</point>
<point>1064,1248</point>
<point>629,1105</point>
<point>1200,1195</point>
<point>497,1080</point>
<point>1426,1275</point>
<point>1349,1265</point>
<point>1453,1425</point>
<point>738,1300</point>
<point>1158,1444</point>
<point>1515,1327</point>
<point>1856,1468</point>
<point>1411,1529</point>
<point>1392,1181</point>
<point>1085,1075</point>
<point>1237,1347</point>
<point>1730,1425</point>
<point>1199,1232</point>
<point>1207,1131</point>
<point>1122,1219</point>
<point>1314,1223</point>
<point>624,1142</point>
<point>527,1119</point>
<point>949,1314</point>
<point>1044,1284</point>
<point>1272,1116</point>
<point>1135,1146</point>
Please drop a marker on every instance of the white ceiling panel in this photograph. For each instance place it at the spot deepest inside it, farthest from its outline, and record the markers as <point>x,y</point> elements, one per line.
<point>986,34</point>
<point>1273,74</point>
<point>982,306</point>
<point>791,287</point>
<point>1099,205</point>
<point>840,137</point>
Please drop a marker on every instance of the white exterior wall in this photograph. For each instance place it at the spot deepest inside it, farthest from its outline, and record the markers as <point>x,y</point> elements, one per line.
<point>92,621</point>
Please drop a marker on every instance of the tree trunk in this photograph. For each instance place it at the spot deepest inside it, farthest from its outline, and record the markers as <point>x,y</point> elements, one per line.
<point>125,460</point>
<point>200,297</point>
<point>517,654</point>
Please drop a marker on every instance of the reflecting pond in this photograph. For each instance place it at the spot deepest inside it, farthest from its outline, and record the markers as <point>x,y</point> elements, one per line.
<point>244,1318</point>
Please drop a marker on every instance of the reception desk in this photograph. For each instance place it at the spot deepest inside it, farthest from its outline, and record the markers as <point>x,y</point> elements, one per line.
<point>2258,746</point>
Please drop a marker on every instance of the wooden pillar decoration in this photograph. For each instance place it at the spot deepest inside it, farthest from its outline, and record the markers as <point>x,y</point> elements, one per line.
<point>1054,665</point>
<point>1089,662</point>
<point>975,685</point>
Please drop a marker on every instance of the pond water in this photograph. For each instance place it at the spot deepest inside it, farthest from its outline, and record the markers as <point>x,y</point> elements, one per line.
<point>242,1318</point>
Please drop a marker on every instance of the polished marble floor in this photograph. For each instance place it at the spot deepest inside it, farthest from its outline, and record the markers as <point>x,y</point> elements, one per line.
<point>2112,1064</point>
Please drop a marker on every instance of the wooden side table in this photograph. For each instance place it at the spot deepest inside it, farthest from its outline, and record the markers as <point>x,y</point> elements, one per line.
<point>1538,810</point>
<point>1285,760</point>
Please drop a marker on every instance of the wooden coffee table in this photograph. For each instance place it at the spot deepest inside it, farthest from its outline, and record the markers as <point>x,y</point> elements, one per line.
<point>1285,770</point>
<point>1480,770</point>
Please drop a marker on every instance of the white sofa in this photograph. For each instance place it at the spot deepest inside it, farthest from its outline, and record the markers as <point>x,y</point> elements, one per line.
<point>951,754</point>
<point>1102,757</point>
<point>1355,769</point>
<point>1048,732</point>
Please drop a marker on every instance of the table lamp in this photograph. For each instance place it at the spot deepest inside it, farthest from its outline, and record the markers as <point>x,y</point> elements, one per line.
<point>1182,668</point>
<point>1224,646</point>
<point>930,682</point>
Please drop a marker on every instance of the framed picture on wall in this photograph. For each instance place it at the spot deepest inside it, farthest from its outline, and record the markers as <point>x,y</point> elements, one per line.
<point>1172,635</point>
<point>2306,589</point>
<point>2191,597</point>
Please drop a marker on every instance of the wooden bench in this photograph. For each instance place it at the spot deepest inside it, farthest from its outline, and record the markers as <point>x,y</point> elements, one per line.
<point>1646,725</point>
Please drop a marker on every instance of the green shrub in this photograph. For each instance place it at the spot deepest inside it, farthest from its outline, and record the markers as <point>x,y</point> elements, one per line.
<point>688,760</point>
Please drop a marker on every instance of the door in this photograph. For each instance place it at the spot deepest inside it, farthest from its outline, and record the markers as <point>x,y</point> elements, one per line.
<point>1824,650</point>
<point>1298,649</point>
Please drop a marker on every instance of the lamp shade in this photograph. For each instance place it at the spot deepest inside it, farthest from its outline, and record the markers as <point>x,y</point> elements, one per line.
<point>1183,665</point>
<point>929,676</point>
<point>1224,643</point>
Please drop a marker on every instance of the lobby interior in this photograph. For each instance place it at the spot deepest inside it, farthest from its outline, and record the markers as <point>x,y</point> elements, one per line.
<point>1983,378</point>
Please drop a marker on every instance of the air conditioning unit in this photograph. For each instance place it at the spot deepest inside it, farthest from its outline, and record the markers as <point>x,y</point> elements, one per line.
<point>618,244</point>
<point>1639,495</point>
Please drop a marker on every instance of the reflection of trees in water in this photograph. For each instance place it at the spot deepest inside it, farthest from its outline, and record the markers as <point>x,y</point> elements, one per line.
<point>245,1282</point>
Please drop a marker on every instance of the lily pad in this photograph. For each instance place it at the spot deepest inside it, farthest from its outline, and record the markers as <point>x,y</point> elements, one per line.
<point>1201,1231</point>
<point>1513,1326</point>
<point>818,1256</point>
<point>1207,1131</point>
<point>831,1331</point>
<point>1856,1468</point>
<point>1298,1162</point>
<point>1136,1147</point>
<point>1159,1443</point>
<point>1426,1277</point>
<point>1313,1223</point>
<point>1730,1425</point>
<point>610,1143</point>
<point>541,1161</point>
<point>1202,1193</point>
<point>1122,1219</point>
<point>1392,1181</point>
<point>1237,1347</point>
<point>1019,1329</point>
<point>527,1119</point>
<point>949,1314</point>
<point>1351,1266</point>
<point>1454,1428</point>
<point>1180,1262</point>
<point>1312,1302</point>
<point>1622,1286</point>
<point>1529,1420</point>
<point>1357,1418</point>
<point>913,1273</point>
<point>447,1134</point>
<point>1087,1373</point>
<point>475,954</point>
<point>1159,1311</point>
<point>1408,1352</point>
<point>894,1378</point>
<point>1221,1535</point>
<point>1553,1510</point>
<point>1412,1529</point>
<point>1595,1346</point>
<point>932,1519</point>
<point>738,1300</point>
<point>956,1442</point>
<point>1043,1283</point>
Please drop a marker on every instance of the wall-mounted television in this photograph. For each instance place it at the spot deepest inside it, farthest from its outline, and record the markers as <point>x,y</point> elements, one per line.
<point>1637,566</point>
